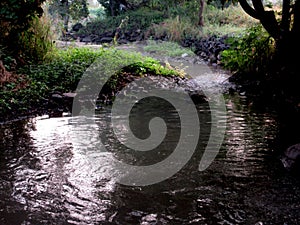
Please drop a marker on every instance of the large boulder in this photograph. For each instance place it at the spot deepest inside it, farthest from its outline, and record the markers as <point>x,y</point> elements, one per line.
<point>77,27</point>
<point>59,103</point>
<point>291,158</point>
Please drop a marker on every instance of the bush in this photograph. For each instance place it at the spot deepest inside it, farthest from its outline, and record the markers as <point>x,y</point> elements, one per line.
<point>140,19</point>
<point>174,29</point>
<point>183,22</point>
<point>250,52</point>
<point>233,15</point>
<point>63,72</point>
<point>97,13</point>
<point>36,42</point>
<point>15,17</point>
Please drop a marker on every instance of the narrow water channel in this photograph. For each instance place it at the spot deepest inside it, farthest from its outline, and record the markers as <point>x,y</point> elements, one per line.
<point>46,178</point>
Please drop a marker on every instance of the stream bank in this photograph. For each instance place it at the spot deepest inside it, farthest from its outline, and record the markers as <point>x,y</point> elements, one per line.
<point>49,177</point>
<point>58,102</point>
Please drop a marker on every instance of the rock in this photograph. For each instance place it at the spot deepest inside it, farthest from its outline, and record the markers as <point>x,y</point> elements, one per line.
<point>198,98</point>
<point>122,41</point>
<point>207,48</point>
<point>97,40</point>
<point>86,39</point>
<point>77,27</point>
<point>109,34</point>
<point>106,39</point>
<point>184,55</point>
<point>213,59</point>
<point>291,157</point>
<point>55,113</point>
<point>69,95</point>
<point>59,103</point>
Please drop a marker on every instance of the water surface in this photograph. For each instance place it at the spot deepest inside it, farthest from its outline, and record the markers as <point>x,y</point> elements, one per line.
<point>47,178</point>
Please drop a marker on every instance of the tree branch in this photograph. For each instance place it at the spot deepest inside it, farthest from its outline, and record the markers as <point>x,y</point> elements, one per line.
<point>258,6</point>
<point>267,18</point>
<point>248,9</point>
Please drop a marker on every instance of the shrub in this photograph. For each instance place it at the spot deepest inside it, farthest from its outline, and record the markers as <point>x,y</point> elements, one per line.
<point>36,42</point>
<point>183,22</point>
<point>63,72</point>
<point>233,15</point>
<point>140,19</point>
<point>97,13</point>
<point>250,52</point>
<point>174,29</point>
<point>15,17</point>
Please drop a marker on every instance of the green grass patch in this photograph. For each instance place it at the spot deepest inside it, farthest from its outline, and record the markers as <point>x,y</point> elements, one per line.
<point>166,48</point>
<point>63,71</point>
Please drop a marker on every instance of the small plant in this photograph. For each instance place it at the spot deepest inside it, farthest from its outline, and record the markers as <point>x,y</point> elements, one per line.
<point>250,52</point>
<point>151,66</point>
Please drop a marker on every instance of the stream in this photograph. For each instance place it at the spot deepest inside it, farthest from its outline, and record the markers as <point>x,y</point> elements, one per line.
<point>48,178</point>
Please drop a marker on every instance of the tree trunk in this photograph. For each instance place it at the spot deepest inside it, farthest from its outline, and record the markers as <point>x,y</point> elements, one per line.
<point>65,15</point>
<point>111,4</point>
<point>201,9</point>
<point>66,22</point>
<point>296,24</point>
<point>286,34</point>
<point>285,21</point>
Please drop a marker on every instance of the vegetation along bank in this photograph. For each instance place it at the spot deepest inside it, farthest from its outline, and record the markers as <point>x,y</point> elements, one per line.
<point>256,45</point>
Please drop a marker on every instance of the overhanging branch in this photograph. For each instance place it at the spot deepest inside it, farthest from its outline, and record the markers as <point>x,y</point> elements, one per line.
<point>248,9</point>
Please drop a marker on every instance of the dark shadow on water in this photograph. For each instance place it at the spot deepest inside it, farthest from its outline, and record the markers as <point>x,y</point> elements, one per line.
<point>46,178</point>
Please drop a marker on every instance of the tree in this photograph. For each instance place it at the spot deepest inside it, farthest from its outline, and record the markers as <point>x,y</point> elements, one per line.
<point>115,7</point>
<point>285,30</point>
<point>201,9</point>
<point>15,17</point>
<point>75,9</point>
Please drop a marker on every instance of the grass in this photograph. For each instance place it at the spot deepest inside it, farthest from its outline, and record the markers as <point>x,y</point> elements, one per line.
<point>231,20</point>
<point>171,49</point>
<point>63,71</point>
<point>233,15</point>
<point>174,29</point>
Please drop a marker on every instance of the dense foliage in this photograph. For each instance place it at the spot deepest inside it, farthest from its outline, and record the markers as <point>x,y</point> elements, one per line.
<point>15,17</point>
<point>137,20</point>
<point>282,24</point>
<point>26,36</point>
<point>252,51</point>
<point>75,9</point>
<point>62,73</point>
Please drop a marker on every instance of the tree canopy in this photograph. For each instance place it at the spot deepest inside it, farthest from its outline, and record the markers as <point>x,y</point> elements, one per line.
<point>75,9</point>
